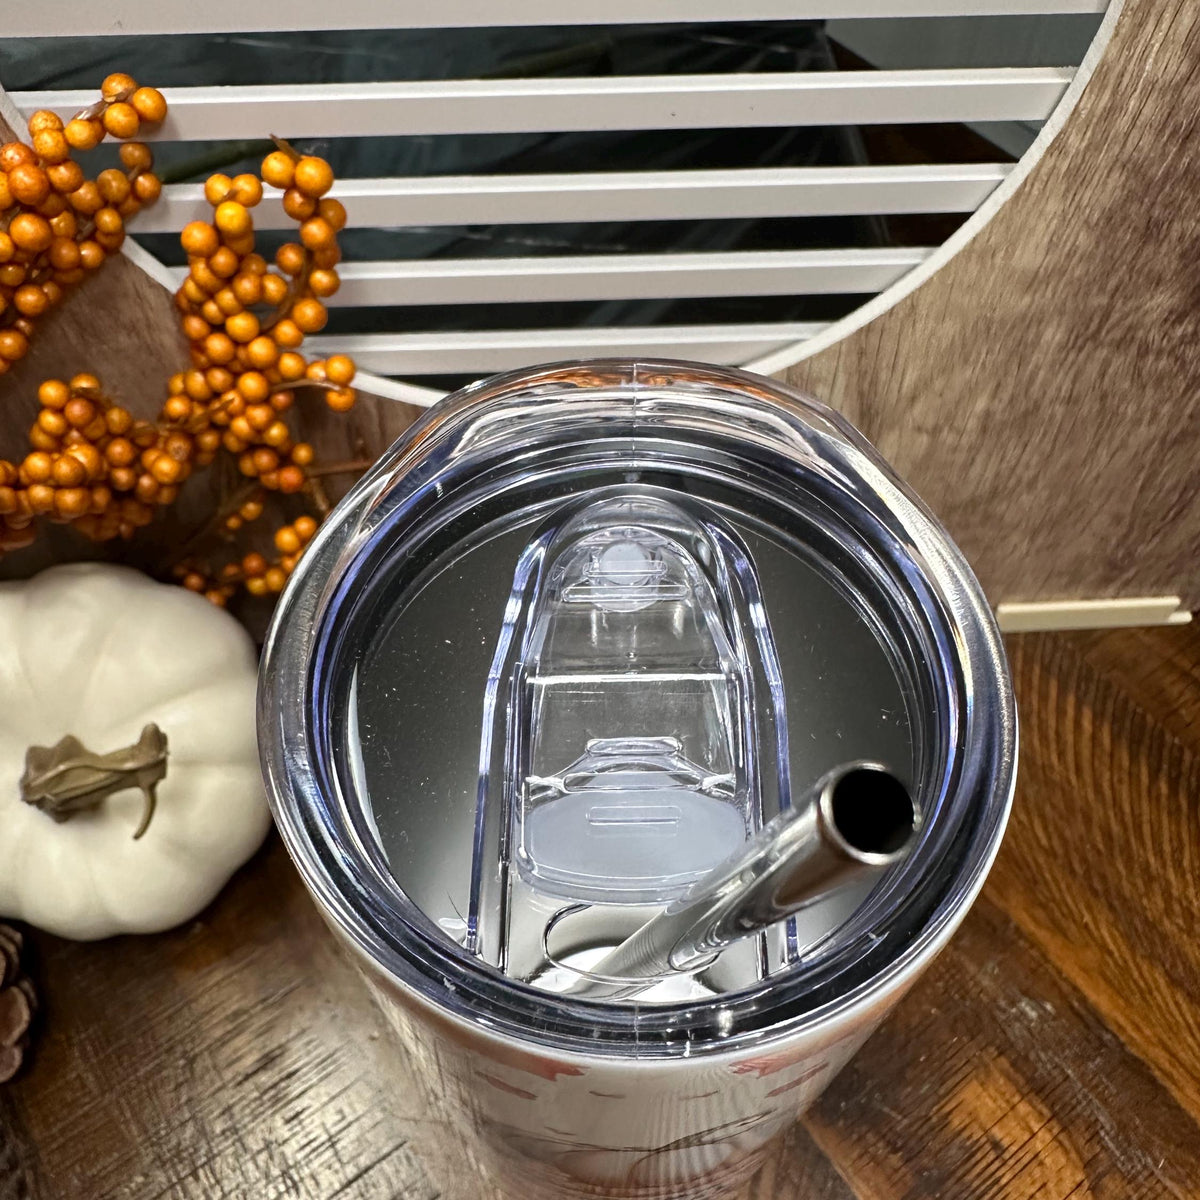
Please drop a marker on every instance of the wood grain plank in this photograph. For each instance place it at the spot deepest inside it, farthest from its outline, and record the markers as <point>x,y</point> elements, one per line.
<point>1157,669</point>
<point>995,1078</point>
<point>1110,799</point>
<point>238,1056</point>
<point>1041,390</point>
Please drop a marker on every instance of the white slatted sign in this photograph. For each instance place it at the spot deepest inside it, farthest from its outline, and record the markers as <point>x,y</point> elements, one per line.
<point>533,106</point>
<point>51,17</point>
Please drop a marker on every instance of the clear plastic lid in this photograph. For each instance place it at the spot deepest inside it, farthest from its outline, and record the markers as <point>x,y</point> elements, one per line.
<point>585,629</point>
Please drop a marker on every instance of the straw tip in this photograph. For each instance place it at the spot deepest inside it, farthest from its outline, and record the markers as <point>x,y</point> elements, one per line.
<point>868,812</point>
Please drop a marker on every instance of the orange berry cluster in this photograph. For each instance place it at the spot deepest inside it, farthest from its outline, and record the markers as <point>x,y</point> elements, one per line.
<point>245,321</point>
<point>259,576</point>
<point>56,225</point>
<point>228,280</point>
<point>91,463</point>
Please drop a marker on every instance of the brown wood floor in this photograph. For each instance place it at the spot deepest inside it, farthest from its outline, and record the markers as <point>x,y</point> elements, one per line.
<point>1053,1050</point>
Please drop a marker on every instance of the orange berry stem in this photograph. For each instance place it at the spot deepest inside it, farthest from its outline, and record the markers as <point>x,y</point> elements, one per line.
<point>356,467</point>
<point>287,147</point>
<point>315,490</point>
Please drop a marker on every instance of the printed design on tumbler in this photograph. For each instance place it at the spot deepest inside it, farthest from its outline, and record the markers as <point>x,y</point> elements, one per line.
<point>763,1065</point>
<point>457,1037</point>
<point>701,1158</point>
<point>511,1089</point>
<point>802,1078</point>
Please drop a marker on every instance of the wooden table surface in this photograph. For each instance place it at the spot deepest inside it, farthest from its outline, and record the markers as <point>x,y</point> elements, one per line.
<point>1052,1051</point>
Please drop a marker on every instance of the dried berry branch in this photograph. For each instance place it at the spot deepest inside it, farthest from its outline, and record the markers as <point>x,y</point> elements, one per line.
<point>90,462</point>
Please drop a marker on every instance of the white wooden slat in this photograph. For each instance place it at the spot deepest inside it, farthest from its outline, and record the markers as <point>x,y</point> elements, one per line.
<point>55,17</point>
<point>609,103</point>
<point>622,276</point>
<point>755,192</point>
<point>1030,616</point>
<point>626,276</point>
<point>484,352</point>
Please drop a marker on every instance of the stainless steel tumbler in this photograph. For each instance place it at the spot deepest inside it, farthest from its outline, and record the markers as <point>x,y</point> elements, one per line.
<point>551,666</point>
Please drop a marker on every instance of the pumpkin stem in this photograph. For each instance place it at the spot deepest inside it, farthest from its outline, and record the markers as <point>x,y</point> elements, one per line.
<point>68,778</point>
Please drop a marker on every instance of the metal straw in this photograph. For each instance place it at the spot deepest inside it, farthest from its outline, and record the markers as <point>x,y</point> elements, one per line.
<point>857,821</point>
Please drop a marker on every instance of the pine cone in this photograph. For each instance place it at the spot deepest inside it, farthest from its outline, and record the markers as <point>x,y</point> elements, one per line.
<point>18,1003</point>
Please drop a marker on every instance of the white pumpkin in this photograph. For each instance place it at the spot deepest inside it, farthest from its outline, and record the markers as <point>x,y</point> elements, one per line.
<point>100,652</point>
